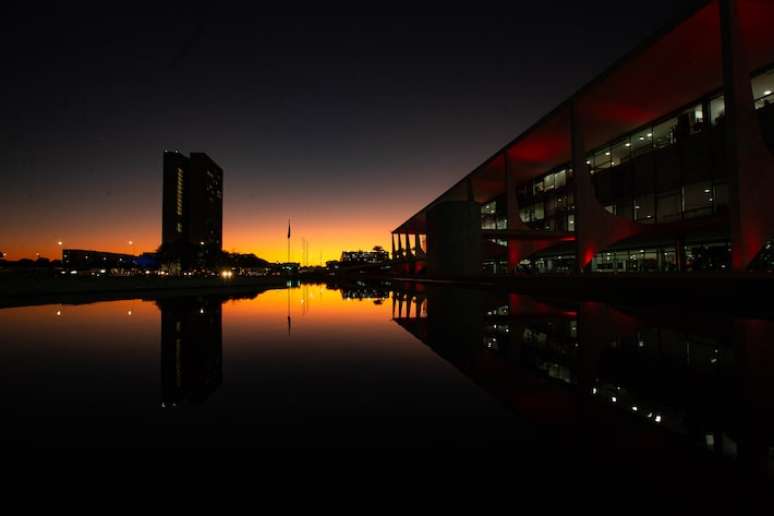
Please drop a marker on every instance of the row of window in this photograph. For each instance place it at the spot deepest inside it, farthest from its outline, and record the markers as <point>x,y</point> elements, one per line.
<point>695,257</point>
<point>657,136</point>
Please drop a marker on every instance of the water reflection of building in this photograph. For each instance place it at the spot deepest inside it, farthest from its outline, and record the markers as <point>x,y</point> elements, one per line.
<point>378,292</point>
<point>191,349</point>
<point>702,378</point>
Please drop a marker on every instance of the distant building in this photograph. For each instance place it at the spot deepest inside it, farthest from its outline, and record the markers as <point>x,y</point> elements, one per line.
<point>285,268</point>
<point>192,200</point>
<point>82,259</point>
<point>361,257</point>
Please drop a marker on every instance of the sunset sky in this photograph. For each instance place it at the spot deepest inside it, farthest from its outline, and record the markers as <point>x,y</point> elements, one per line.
<point>346,125</point>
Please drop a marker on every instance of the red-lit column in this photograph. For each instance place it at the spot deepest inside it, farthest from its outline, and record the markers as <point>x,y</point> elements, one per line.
<point>514,220</point>
<point>751,180</point>
<point>595,228</point>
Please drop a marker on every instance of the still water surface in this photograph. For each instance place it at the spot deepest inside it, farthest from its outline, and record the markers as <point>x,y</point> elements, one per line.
<point>389,365</point>
<point>298,367</point>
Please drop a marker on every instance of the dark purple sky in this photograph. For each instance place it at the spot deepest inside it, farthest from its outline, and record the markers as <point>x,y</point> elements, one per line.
<point>349,125</point>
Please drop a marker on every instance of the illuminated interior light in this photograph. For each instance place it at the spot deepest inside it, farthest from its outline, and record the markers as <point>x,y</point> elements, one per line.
<point>650,135</point>
<point>658,419</point>
<point>767,92</point>
<point>628,144</point>
<point>634,408</point>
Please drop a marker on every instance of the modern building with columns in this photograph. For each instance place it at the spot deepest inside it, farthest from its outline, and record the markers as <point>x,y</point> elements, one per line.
<point>663,163</point>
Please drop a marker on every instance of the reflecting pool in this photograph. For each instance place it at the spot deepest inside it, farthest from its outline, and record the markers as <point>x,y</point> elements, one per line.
<point>397,365</point>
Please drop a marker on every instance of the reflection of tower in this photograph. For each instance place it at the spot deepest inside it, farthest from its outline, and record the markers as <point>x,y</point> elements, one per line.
<point>191,349</point>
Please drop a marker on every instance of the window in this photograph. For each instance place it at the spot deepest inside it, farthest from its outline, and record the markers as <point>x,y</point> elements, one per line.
<point>537,212</point>
<point>561,178</point>
<point>717,109</point>
<point>620,152</point>
<point>698,198</point>
<point>664,133</point>
<point>549,182</point>
<point>669,206</point>
<point>642,142</point>
<point>601,159</point>
<point>644,208</point>
<point>668,260</point>
<point>571,222</point>
<point>763,89</point>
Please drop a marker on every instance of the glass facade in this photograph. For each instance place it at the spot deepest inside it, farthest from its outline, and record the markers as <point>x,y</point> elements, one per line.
<point>668,171</point>
<point>548,203</point>
<point>696,257</point>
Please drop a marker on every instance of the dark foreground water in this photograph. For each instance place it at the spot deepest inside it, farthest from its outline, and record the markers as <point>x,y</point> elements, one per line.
<point>388,365</point>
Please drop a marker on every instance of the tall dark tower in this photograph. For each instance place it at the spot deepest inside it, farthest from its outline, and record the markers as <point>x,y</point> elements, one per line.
<point>192,202</point>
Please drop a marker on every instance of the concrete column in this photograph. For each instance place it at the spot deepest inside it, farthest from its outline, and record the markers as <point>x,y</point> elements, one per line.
<point>750,163</point>
<point>417,247</point>
<point>400,246</point>
<point>454,230</point>
<point>409,254</point>
<point>392,241</point>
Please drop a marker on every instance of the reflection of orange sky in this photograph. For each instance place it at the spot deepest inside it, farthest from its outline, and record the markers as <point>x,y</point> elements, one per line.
<point>67,323</point>
<point>266,236</point>
<point>309,304</point>
<point>315,313</point>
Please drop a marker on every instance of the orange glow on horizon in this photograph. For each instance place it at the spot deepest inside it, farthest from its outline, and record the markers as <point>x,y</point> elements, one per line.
<point>268,243</point>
